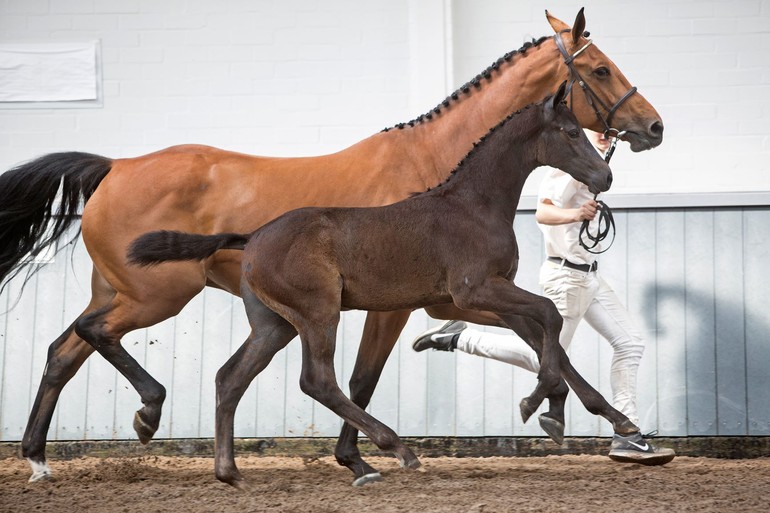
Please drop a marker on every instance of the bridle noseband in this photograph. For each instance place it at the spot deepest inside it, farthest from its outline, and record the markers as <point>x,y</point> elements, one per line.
<point>606,220</point>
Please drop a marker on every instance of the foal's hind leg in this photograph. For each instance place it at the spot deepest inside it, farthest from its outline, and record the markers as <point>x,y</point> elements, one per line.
<point>380,334</point>
<point>593,401</point>
<point>269,334</point>
<point>552,421</point>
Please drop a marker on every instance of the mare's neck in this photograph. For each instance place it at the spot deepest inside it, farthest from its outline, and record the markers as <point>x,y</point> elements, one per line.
<point>527,78</point>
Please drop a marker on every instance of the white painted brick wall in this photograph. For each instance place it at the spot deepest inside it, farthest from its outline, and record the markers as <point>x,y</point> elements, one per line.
<point>277,78</point>
<point>703,64</point>
<point>305,77</point>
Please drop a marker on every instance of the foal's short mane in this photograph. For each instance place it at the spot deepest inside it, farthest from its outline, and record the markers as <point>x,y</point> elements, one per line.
<point>475,82</point>
<point>513,117</point>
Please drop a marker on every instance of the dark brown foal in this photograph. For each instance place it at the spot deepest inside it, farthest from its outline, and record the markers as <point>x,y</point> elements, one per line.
<point>451,244</point>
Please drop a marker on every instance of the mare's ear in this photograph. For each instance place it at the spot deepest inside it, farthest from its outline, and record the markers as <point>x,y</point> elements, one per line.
<point>579,27</point>
<point>556,24</point>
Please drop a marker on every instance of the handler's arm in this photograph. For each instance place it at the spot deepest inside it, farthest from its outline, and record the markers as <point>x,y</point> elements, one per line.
<point>548,213</point>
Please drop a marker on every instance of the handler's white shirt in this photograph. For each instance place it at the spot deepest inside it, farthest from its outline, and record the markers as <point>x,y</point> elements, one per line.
<point>561,240</point>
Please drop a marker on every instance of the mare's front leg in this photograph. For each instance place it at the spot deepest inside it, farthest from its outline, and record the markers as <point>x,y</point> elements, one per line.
<point>318,380</point>
<point>381,332</point>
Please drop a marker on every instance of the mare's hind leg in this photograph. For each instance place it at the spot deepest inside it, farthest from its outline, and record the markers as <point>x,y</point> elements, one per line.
<point>65,356</point>
<point>528,330</point>
<point>269,334</point>
<point>104,328</point>
<point>380,334</point>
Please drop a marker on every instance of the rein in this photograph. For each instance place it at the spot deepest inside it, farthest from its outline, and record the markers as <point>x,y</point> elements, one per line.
<point>606,221</point>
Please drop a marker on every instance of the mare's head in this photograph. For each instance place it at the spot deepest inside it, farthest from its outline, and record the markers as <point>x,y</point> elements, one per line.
<point>562,144</point>
<point>605,99</point>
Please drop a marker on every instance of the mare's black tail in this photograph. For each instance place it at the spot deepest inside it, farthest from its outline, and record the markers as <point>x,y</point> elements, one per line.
<point>166,246</point>
<point>31,219</point>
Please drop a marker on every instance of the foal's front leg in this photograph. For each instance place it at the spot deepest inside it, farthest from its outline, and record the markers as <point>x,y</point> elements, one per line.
<point>510,302</point>
<point>528,330</point>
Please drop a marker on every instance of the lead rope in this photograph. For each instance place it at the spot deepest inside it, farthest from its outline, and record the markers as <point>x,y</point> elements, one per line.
<point>606,222</point>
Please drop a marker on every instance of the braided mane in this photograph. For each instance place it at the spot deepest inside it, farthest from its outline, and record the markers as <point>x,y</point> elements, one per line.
<point>475,83</point>
<point>478,144</point>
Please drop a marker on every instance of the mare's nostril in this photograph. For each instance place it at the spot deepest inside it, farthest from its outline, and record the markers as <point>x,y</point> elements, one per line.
<point>656,129</point>
<point>609,180</point>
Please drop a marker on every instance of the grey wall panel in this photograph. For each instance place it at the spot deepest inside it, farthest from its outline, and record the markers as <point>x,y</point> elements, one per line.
<point>729,319</point>
<point>700,338</point>
<point>757,321</point>
<point>693,279</point>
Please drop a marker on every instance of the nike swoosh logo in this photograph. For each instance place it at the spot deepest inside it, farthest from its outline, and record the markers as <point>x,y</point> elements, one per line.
<point>640,447</point>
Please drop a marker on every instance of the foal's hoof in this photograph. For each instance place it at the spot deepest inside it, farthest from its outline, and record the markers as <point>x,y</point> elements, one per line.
<point>143,430</point>
<point>526,409</point>
<point>242,486</point>
<point>552,427</point>
<point>367,478</point>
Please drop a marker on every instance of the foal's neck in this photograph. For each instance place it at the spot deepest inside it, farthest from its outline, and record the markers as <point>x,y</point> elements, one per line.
<point>449,135</point>
<point>493,174</point>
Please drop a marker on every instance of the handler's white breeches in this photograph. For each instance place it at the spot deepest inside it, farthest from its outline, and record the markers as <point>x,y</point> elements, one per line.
<point>578,295</point>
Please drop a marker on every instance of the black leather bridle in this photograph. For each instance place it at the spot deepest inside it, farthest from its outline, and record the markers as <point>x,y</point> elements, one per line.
<point>591,97</point>
<point>606,222</point>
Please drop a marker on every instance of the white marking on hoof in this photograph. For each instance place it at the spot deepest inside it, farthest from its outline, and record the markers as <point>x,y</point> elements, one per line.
<point>367,478</point>
<point>40,471</point>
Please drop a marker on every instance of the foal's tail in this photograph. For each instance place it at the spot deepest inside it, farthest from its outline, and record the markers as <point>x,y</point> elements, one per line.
<point>31,218</point>
<point>166,246</point>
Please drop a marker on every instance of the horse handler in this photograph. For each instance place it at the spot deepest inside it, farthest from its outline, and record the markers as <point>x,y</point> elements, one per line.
<point>570,278</point>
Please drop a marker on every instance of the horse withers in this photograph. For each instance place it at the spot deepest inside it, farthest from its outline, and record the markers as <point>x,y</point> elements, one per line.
<point>451,244</point>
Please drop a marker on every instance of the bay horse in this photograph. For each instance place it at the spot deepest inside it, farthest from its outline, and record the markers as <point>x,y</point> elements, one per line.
<point>451,244</point>
<point>208,190</point>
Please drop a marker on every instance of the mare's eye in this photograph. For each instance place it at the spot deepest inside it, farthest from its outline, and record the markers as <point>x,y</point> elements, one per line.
<point>574,133</point>
<point>602,72</point>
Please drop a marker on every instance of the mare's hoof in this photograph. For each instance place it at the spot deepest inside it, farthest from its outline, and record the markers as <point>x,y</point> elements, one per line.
<point>143,430</point>
<point>367,478</point>
<point>41,475</point>
<point>552,427</point>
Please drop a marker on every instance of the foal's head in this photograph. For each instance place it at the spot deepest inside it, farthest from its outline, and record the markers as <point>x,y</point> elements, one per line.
<point>563,144</point>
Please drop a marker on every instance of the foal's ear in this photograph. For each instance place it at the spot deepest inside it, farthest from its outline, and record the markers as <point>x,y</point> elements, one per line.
<point>579,27</point>
<point>561,93</point>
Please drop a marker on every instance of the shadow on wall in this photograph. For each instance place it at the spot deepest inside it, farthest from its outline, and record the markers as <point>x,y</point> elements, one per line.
<point>701,357</point>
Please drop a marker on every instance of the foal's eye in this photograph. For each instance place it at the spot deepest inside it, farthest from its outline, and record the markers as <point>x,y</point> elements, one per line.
<point>602,72</point>
<point>574,133</point>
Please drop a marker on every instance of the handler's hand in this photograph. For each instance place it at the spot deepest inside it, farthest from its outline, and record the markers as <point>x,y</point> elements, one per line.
<point>587,210</point>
